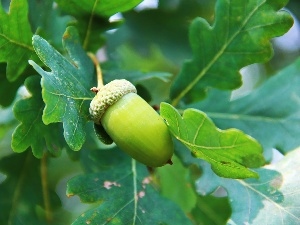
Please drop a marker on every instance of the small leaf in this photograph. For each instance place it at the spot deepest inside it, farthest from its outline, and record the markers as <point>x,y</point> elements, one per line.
<point>15,36</point>
<point>240,36</point>
<point>128,186</point>
<point>271,199</point>
<point>66,89</point>
<point>229,152</point>
<point>32,131</point>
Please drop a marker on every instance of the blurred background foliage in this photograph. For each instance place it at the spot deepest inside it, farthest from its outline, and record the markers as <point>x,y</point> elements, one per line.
<point>152,37</point>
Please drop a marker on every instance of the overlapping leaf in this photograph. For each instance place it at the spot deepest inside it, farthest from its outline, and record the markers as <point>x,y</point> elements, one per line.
<point>15,38</point>
<point>229,152</point>
<point>240,36</point>
<point>272,199</point>
<point>66,89</point>
<point>92,18</point>
<point>270,113</point>
<point>32,131</point>
<point>51,23</point>
<point>124,193</point>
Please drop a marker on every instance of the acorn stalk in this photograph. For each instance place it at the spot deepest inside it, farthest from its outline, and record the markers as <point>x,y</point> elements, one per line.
<point>132,123</point>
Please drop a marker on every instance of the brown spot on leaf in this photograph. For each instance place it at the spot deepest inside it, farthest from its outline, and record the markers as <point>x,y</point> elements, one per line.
<point>108,184</point>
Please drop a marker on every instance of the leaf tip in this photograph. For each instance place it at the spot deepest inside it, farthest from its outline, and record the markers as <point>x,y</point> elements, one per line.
<point>35,38</point>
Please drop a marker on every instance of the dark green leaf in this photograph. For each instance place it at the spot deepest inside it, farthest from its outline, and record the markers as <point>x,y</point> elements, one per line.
<point>211,210</point>
<point>157,84</point>
<point>92,19</point>
<point>124,195</point>
<point>271,199</point>
<point>7,89</point>
<point>15,38</point>
<point>102,135</point>
<point>229,152</point>
<point>158,38</point>
<point>270,113</point>
<point>32,131</point>
<point>21,193</point>
<point>240,36</point>
<point>66,89</point>
<point>48,21</point>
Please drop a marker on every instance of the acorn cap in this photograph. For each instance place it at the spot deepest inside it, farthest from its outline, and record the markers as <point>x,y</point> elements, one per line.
<point>107,96</point>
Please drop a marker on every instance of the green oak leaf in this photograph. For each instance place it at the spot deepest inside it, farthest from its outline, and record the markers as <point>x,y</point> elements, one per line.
<point>129,186</point>
<point>270,113</point>
<point>92,18</point>
<point>229,152</point>
<point>239,36</point>
<point>51,24</point>
<point>32,131</point>
<point>96,7</point>
<point>66,89</point>
<point>271,199</point>
<point>15,38</point>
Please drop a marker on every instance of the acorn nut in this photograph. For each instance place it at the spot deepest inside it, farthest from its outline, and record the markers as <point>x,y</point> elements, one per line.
<point>132,123</point>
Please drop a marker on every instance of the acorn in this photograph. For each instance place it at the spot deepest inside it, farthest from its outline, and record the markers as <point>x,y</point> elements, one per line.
<point>132,123</point>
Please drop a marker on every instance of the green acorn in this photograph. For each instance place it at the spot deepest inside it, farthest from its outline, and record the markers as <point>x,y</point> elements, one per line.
<point>132,123</point>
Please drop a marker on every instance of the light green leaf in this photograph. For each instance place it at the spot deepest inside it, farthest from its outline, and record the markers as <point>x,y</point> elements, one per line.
<point>271,199</point>
<point>239,36</point>
<point>229,152</point>
<point>15,38</point>
<point>123,194</point>
<point>269,113</point>
<point>66,89</point>
<point>32,131</point>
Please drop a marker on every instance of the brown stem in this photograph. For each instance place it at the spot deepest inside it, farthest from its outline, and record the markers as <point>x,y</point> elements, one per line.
<point>44,178</point>
<point>98,70</point>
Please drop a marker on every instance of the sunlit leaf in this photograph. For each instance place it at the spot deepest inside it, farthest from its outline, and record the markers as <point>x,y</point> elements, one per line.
<point>15,38</point>
<point>271,199</point>
<point>270,113</point>
<point>229,152</point>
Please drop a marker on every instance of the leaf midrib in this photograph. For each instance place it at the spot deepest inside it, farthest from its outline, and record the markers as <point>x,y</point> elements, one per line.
<point>28,47</point>
<point>211,63</point>
<point>243,117</point>
<point>266,197</point>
